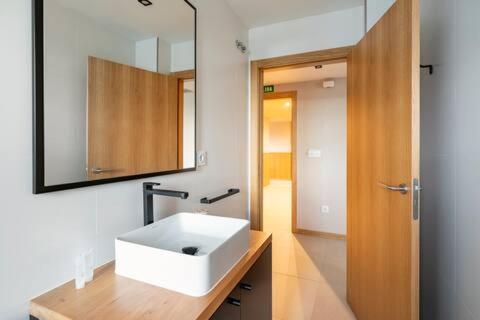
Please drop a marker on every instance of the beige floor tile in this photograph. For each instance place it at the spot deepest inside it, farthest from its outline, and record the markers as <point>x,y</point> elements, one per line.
<point>281,257</point>
<point>329,305</point>
<point>277,204</point>
<point>309,280</point>
<point>335,253</point>
<point>332,274</point>
<point>295,298</point>
<point>310,243</point>
<point>279,293</point>
<point>283,239</point>
<point>306,265</point>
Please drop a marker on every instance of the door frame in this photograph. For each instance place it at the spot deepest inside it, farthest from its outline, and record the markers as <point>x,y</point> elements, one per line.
<point>293,144</point>
<point>257,68</point>
<point>182,77</point>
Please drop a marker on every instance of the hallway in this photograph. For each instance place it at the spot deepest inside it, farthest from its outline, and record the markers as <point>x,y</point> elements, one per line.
<point>309,273</point>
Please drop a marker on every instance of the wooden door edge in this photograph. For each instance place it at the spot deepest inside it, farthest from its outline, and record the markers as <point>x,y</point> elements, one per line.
<point>415,29</point>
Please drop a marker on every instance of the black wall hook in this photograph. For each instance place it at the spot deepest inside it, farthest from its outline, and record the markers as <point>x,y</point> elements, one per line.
<point>429,66</point>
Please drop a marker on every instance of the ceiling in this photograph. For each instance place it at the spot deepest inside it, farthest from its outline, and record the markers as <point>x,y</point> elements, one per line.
<point>170,20</point>
<point>283,76</point>
<point>277,109</point>
<point>255,13</point>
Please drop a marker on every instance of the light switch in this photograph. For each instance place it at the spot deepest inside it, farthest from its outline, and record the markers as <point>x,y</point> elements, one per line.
<point>314,153</point>
<point>325,209</point>
<point>201,158</point>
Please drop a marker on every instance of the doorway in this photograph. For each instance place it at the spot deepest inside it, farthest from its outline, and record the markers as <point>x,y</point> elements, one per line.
<point>279,166</point>
<point>383,130</point>
<point>304,146</point>
<point>258,69</point>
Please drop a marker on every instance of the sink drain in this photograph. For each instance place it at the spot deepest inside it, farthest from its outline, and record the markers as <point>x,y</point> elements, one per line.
<point>190,250</point>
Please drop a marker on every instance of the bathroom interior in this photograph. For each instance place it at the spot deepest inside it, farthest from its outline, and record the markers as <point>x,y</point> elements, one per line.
<point>239,159</point>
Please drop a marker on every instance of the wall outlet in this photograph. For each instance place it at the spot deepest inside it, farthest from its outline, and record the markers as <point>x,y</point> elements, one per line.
<point>325,209</point>
<point>201,158</point>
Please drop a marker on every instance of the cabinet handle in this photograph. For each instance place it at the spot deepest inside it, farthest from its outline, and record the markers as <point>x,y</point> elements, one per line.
<point>234,302</point>
<point>100,170</point>
<point>246,286</point>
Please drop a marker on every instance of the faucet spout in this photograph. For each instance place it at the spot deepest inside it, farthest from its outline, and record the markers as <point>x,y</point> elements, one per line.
<point>149,191</point>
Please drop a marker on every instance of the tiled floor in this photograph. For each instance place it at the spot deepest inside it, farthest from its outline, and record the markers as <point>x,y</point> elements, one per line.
<point>309,273</point>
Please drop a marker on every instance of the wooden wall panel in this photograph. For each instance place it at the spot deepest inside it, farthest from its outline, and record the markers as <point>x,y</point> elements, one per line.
<point>277,166</point>
<point>132,119</point>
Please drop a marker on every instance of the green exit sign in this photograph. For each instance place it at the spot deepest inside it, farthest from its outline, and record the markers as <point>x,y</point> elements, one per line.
<point>268,89</point>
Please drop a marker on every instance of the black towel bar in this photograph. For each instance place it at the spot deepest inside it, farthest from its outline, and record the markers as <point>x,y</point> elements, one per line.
<point>231,192</point>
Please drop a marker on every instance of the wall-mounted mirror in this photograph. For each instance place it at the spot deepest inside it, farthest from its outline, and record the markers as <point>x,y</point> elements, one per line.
<point>114,91</point>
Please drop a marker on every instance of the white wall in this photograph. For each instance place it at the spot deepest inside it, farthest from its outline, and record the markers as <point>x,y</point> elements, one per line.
<point>40,235</point>
<point>146,54</point>
<point>157,55</point>
<point>376,9</point>
<point>321,124</point>
<point>70,39</point>
<point>164,58</point>
<point>326,31</point>
<point>450,241</point>
<point>183,57</point>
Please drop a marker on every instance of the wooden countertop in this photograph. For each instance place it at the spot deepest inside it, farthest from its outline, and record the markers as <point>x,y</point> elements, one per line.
<point>110,296</point>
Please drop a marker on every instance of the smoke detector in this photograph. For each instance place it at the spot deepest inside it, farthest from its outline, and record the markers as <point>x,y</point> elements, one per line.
<point>146,3</point>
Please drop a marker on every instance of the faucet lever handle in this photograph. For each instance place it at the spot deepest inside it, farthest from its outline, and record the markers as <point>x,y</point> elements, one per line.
<point>150,185</point>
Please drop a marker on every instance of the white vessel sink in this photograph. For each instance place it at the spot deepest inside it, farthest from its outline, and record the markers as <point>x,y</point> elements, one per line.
<point>153,254</point>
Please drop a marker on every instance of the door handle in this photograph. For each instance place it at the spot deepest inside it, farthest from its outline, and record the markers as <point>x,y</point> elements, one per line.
<point>234,302</point>
<point>402,188</point>
<point>246,286</point>
<point>100,170</point>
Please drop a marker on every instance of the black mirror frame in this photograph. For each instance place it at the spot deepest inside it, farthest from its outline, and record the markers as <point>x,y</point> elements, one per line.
<point>38,131</point>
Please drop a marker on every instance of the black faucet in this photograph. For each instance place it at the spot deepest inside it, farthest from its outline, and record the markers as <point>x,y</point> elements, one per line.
<point>148,192</point>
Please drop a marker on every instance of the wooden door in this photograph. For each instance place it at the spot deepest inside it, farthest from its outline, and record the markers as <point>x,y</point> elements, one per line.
<point>383,148</point>
<point>132,120</point>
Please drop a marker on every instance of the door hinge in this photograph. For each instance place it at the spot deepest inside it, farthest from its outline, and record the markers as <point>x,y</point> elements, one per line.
<point>416,198</point>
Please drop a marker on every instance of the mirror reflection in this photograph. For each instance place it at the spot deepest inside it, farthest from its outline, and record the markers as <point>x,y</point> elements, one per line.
<point>119,88</point>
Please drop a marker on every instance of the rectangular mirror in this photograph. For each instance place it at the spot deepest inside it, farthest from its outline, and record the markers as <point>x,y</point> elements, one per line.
<point>114,91</point>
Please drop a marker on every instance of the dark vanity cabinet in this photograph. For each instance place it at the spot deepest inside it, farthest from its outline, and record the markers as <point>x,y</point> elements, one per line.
<point>252,297</point>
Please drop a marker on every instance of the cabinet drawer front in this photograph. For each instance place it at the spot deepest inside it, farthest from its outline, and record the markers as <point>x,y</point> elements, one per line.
<point>252,298</point>
<point>257,289</point>
<point>227,309</point>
